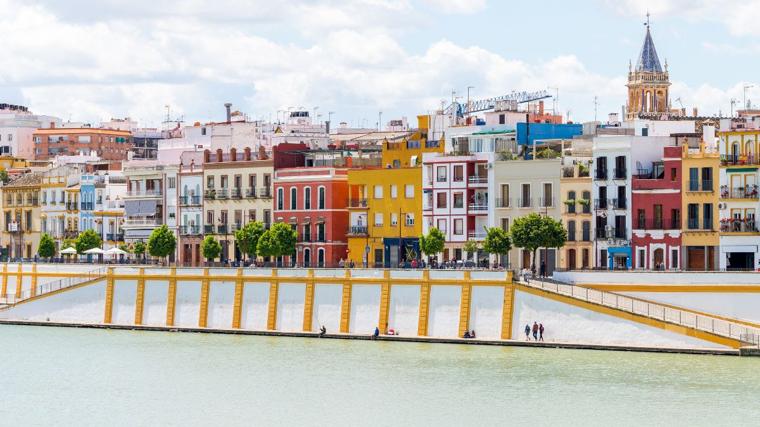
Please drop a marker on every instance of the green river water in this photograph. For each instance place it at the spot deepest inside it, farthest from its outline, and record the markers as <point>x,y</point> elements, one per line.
<point>62,376</point>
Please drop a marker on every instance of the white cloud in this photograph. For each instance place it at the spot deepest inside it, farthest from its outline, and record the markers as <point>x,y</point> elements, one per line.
<point>457,6</point>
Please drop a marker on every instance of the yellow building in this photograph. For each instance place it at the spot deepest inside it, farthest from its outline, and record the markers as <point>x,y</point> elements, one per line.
<point>20,236</point>
<point>575,191</point>
<point>700,222</point>
<point>408,151</point>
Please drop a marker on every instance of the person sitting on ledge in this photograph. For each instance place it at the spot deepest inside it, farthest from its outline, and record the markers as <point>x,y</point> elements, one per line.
<point>376,333</point>
<point>466,334</point>
<point>322,331</point>
<point>472,334</point>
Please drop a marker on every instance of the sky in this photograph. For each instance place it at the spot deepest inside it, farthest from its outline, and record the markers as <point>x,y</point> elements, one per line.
<point>93,60</point>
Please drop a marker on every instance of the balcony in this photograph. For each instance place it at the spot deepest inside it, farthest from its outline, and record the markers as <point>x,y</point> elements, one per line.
<point>357,203</point>
<point>250,193</point>
<point>71,233</point>
<point>524,202</point>
<point>208,229</point>
<point>115,237</point>
<point>72,206</point>
<point>145,193</point>
<point>222,229</point>
<point>600,174</point>
<point>502,203</point>
<point>749,192</point>
<point>621,173</point>
<point>478,180</point>
<point>546,202</point>
<point>189,200</point>
<point>357,230</point>
<point>141,222</point>
<point>693,224</point>
<point>739,225</point>
<point>570,207</point>
<point>189,230</point>
<point>600,204</point>
<point>649,224</point>
<point>476,235</point>
<point>737,160</point>
<point>236,193</point>
<point>705,185</point>
<point>603,233</point>
<point>221,194</point>
<point>265,192</point>
<point>209,194</point>
<point>479,207</point>
<point>620,203</point>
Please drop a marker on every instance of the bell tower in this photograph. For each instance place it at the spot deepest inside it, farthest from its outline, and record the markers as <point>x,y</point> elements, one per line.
<point>648,85</point>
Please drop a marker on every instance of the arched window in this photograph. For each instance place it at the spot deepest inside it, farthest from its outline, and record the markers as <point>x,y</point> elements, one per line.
<point>571,231</point>
<point>307,198</point>
<point>293,198</point>
<point>307,257</point>
<point>321,198</point>
<point>320,257</point>
<point>280,199</point>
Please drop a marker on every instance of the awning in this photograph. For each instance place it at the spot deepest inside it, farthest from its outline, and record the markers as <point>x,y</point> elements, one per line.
<point>140,207</point>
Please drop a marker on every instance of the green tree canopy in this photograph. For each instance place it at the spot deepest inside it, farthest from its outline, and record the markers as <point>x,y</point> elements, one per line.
<point>267,245</point>
<point>247,238</point>
<point>47,246</point>
<point>4,178</point>
<point>471,246</point>
<point>210,248</point>
<point>138,248</point>
<point>534,231</point>
<point>161,242</point>
<point>286,238</point>
<point>432,243</point>
<point>87,240</point>
<point>497,241</point>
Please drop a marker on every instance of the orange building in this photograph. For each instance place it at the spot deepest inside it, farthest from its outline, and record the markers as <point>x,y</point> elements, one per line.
<point>108,144</point>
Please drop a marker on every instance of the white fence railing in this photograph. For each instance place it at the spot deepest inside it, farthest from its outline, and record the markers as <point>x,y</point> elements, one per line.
<point>714,325</point>
<point>55,285</point>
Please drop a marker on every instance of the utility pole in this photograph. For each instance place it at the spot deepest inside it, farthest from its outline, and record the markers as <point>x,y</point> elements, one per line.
<point>468,98</point>
<point>744,103</point>
<point>379,121</point>
<point>556,99</point>
<point>596,105</point>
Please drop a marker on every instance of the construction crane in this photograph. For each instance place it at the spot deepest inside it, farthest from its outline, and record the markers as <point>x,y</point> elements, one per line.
<point>490,103</point>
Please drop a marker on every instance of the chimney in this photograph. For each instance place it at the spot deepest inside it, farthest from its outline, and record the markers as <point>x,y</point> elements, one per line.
<point>233,154</point>
<point>247,154</point>
<point>540,108</point>
<point>227,106</point>
<point>262,152</point>
<point>206,156</point>
<point>52,125</point>
<point>696,112</point>
<point>219,155</point>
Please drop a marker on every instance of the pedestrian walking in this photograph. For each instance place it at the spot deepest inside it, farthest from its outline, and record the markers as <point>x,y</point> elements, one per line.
<point>543,268</point>
<point>535,331</point>
<point>540,331</point>
<point>527,332</point>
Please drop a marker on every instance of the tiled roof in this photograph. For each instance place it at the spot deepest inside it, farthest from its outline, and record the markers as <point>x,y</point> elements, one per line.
<point>26,180</point>
<point>648,60</point>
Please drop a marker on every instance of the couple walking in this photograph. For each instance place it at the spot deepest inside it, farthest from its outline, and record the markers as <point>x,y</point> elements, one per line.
<point>537,329</point>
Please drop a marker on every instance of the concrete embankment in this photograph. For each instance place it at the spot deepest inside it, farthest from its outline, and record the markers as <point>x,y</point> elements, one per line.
<point>459,341</point>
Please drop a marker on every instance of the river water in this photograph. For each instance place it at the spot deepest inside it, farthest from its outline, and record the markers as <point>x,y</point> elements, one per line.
<point>62,376</point>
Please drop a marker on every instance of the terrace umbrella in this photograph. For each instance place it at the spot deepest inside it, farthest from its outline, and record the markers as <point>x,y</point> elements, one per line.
<point>69,251</point>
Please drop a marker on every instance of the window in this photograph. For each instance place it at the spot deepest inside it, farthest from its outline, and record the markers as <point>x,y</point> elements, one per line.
<point>293,198</point>
<point>440,174</point>
<point>321,232</point>
<point>306,233</point>
<point>707,216</point>
<point>587,206</point>
<point>458,173</point>
<point>502,119</point>
<point>693,179</point>
<point>548,200</point>
<point>505,224</point>
<point>693,216</point>
<point>620,172</point>
<point>458,200</point>
<point>252,182</point>
<point>674,258</point>
<point>657,217</point>
<point>458,226</point>
<point>83,138</point>
<point>307,198</point>
<point>238,181</point>
<point>586,231</point>
<point>571,231</point>
<point>280,199</point>
<point>209,182</point>
<point>394,219</point>
<point>440,200</point>
<point>394,191</point>
<point>378,192</point>
<point>378,219</point>
<point>601,167</point>
<point>172,182</point>
<point>707,181</point>
<point>525,196</point>
<point>641,257</point>
<point>504,201</point>
<point>641,219</point>
<point>252,215</point>
<point>321,198</point>
<point>441,225</point>
<point>409,191</point>
<point>675,218</point>
<point>223,181</point>
<point>409,219</point>
<point>673,174</point>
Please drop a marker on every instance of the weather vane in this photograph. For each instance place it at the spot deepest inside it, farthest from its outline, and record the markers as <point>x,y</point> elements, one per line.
<point>647,23</point>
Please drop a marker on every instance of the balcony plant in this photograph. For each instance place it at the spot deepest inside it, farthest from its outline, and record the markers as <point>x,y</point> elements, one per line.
<point>584,202</point>
<point>570,202</point>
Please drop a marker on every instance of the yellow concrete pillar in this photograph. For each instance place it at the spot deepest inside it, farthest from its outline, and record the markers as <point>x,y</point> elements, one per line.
<point>205,285</point>
<point>34,280</point>
<point>19,280</point>
<point>422,326</point>
<point>385,300</point>
<point>507,311</point>
<point>273,292</point>
<point>308,305</point>
<point>5,280</point>
<point>237,305</point>
<point>464,305</point>
<point>109,296</point>
<point>345,305</point>
<point>140,298</point>
<point>171,298</point>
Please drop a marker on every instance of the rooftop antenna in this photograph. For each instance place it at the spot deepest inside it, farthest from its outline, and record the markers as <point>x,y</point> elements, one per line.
<point>596,104</point>
<point>744,103</point>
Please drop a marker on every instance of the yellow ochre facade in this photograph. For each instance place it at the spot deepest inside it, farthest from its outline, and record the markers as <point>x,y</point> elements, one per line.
<point>700,219</point>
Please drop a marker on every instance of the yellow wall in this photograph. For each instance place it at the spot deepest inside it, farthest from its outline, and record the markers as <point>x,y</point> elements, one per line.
<point>700,159</point>
<point>747,140</point>
<point>363,182</point>
<point>402,151</point>
<point>579,185</point>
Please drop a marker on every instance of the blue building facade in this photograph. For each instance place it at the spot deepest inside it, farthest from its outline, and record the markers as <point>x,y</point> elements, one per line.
<point>87,202</point>
<point>541,131</point>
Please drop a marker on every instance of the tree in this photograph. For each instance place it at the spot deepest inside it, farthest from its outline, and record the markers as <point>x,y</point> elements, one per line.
<point>432,243</point>
<point>4,178</point>
<point>139,249</point>
<point>497,241</point>
<point>266,246</point>
<point>471,247</point>
<point>247,238</point>
<point>125,247</point>
<point>534,231</point>
<point>161,242</point>
<point>47,246</point>
<point>210,248</point>
<point>87,240</point>
<point>278,241</point>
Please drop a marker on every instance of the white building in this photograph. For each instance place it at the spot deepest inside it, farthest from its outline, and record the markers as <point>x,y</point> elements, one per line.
<point>17,125</point>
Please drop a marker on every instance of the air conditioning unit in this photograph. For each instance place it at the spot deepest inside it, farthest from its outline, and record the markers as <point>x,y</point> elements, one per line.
<point>722,206</point>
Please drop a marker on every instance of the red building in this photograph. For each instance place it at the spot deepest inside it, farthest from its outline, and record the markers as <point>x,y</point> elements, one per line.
<point>656,210</point>
<point>314,200</point>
